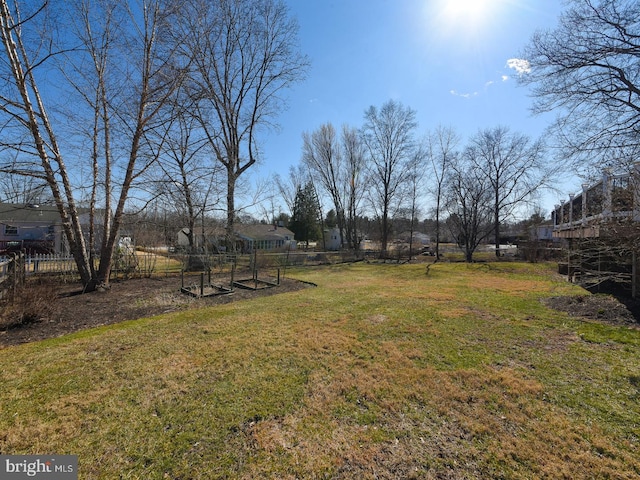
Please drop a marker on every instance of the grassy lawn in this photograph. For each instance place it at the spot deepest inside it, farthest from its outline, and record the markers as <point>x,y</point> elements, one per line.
<point>379,372</point>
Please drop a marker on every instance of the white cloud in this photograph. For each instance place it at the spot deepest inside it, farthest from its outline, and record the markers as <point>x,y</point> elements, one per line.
<point>463,95</point>
<point>520,65</point>
<point>488,84</point>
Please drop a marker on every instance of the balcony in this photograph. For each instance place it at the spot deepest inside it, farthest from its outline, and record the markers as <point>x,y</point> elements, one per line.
<point>615,198</point>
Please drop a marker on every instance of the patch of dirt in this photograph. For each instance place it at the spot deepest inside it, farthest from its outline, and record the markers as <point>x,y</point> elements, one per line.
<point>598,307</point>
<point>70,310</point>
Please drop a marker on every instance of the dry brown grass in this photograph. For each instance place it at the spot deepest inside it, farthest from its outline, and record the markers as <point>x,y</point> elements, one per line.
<point>380,372</point>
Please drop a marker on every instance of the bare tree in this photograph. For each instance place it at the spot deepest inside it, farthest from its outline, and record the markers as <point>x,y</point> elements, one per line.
<point>336,163</point>
<point>414,186</point>
<point>515,169</point>
<point>23,108</point>
<point>322,156</point>
<point>442,151</point>
<point>188,182</point>
<point>24,189</point>
<point>354,179</point>
<point>586,71</point>
<point>298,177</point>
<point>388,135</point>
<point>244,56</point>
<point>123,74</point>
<point>468,200</point>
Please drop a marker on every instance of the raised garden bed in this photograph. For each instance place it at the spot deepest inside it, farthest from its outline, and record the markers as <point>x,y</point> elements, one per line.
<point>206,289</point>
<point>254,284</point>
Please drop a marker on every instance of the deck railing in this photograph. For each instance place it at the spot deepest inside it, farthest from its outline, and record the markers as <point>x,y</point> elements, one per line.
<point>612,198</point>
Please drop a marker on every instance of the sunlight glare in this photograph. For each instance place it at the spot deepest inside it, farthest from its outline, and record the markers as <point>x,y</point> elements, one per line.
<point>467,11</point>
<point>463,19</point>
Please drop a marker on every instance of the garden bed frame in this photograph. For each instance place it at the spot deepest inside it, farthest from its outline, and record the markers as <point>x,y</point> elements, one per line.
<point>207,289</point>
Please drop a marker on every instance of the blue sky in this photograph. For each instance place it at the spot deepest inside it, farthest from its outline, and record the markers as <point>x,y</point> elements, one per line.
<point>446,59</point>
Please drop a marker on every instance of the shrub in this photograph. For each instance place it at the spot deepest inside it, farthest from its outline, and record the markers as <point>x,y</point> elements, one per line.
<point>32,302</point>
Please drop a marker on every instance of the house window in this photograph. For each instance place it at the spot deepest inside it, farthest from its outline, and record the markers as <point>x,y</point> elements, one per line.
<point>10,230</point>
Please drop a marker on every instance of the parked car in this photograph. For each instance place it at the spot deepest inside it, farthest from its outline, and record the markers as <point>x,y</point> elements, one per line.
<point>426,250</point>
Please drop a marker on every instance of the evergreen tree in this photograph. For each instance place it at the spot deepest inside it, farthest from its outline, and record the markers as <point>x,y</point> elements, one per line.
<point>304,218</point>
<point>331,220</point>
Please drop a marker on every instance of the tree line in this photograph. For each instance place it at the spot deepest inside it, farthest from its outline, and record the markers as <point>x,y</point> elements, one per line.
<point>585,71</point>
<point>113,106</point>
<point>383,170</point>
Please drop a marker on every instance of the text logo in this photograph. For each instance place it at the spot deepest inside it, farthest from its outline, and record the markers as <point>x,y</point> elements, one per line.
<point>39,467</point>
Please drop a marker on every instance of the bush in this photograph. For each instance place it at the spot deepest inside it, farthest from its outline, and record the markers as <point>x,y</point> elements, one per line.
<point>32,302</point>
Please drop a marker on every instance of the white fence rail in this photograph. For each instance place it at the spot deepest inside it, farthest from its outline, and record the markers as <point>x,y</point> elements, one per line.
<point>49,263</point>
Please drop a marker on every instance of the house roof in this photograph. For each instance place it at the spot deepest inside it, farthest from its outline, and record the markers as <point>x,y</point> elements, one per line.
<point>34,213</point>
<point>28,213</point>
<point>209,231</point>
<point>261,231</point>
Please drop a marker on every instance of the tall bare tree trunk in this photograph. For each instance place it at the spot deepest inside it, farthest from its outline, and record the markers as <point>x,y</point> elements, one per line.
<point>34,113</point>
<point>231,210</point>
<point>26,108</point>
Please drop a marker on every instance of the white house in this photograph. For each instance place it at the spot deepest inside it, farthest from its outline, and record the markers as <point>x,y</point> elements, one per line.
<point>333,239</point>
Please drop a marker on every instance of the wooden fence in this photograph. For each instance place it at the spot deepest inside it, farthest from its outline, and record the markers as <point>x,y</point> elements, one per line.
<point>11,273</point>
